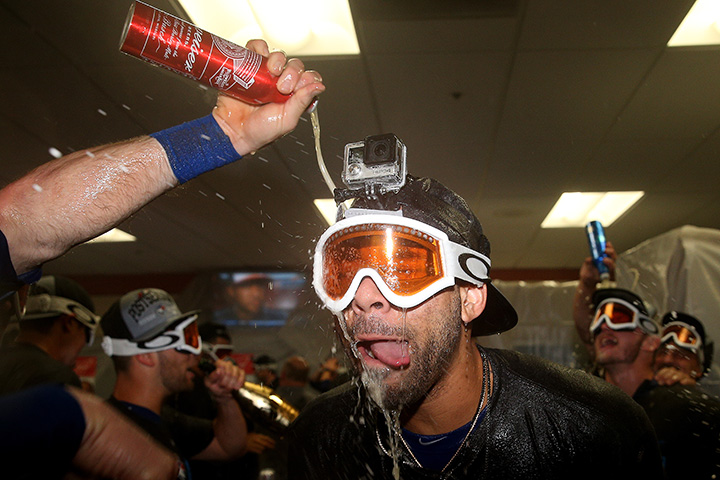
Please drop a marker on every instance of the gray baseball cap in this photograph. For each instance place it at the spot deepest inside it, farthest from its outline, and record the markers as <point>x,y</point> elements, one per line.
<point>141,315</point>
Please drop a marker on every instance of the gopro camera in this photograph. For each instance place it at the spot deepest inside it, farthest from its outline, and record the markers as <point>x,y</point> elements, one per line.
<point>377,163</point>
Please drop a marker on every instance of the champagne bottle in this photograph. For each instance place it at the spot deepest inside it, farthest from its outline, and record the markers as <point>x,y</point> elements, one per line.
<point>260,403</point>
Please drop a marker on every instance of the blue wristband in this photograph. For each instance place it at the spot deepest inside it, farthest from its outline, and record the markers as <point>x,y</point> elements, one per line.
<point>196,147</point>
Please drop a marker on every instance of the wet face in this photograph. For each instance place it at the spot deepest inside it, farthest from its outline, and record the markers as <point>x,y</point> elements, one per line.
<point>617,346</point>
<point>402,354</point>
<point>177,370</point>
<point>249,297</point>
<point>670,355</point>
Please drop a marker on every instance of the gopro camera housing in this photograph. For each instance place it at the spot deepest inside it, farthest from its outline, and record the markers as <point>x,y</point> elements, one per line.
<point>376,163</point>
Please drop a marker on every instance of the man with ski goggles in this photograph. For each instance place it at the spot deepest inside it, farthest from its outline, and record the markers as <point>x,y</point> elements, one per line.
<point>155,348</point>
<point>685,352</point>
<point>624,338</point>
<point>685,419</point>
<point>407,274</point>
<point>58,322</point>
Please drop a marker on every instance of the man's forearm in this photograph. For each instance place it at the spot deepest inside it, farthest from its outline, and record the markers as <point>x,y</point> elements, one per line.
<point>79,196</point>
<point>230,427</point>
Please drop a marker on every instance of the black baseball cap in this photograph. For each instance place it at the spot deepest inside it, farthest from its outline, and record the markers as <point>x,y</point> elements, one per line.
<point>213,331</point>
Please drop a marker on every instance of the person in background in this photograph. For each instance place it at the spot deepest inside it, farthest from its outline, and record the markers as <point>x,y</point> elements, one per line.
<point>293,387</point>
<point>247,295</point>
<point>266,371</point>
<point>685,353</point>
<point>198,402</point>
<point>293,384</point>
<point>407,275</point>
<point>329,375</point>
<point>685,419</point>
<point>74,198</point>
<point>59,321</point>
<point>583,308</point>
<point>154,348</point>
<point>674,362</point>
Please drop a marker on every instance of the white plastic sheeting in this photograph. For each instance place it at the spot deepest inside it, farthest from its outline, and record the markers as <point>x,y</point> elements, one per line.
<point>545,324</point>
<point>678,270</point>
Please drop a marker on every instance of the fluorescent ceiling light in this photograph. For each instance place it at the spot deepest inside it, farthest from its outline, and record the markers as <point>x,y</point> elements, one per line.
<point>299,28</point>
<point>701,25</point>
<point>114,235</point>
<point>576,209</point>
<point>327,208</point>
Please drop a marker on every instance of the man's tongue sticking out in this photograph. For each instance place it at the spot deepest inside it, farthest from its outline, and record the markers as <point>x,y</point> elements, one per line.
<point>392,353</point>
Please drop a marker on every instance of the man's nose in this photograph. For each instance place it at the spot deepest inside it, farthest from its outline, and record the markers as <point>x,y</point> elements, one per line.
<point>368,298</point>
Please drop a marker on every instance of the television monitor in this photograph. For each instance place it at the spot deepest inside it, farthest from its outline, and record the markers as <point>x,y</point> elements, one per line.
<point>256,298</point>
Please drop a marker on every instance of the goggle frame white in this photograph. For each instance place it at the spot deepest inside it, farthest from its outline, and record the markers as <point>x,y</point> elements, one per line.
<point>640,320</point>
<point>672,336</point>
<point>46,305</point>
<point>462,268</point>
<point>124,348</point>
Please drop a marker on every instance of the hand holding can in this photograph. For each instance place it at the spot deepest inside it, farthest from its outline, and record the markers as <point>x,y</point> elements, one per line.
<point>165,40</point>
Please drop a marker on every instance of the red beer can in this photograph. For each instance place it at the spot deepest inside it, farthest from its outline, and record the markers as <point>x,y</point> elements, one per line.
<point>163,39</point>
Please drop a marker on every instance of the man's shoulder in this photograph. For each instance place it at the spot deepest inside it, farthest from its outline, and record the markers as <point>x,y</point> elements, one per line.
<point>25,365</point>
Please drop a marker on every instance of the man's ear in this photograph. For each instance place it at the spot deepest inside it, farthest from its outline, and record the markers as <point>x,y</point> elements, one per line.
<point>66,323</point>
<point>147,359</point>
<point>473,300</point>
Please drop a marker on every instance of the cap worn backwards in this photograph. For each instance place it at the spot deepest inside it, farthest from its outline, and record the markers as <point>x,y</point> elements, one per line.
<point>432,203</point>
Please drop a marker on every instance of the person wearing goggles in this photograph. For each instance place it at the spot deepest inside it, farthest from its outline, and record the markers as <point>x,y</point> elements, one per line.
<point>58,322</point>
<point>65,202</point>
<point>154,348</point>
<point>624,338</point>
<point>407,275</point>
<point>685,419</point>
<point>685,352</point>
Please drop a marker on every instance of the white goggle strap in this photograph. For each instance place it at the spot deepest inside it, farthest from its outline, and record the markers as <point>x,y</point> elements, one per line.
<point>166,340</point>
<point>48,305</point>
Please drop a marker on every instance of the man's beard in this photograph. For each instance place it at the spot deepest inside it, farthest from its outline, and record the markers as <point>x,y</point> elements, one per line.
<point>392,389</point>
<point>172,379</point>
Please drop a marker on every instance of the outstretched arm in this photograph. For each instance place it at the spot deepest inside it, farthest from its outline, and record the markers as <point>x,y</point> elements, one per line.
<point>79,196</point>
